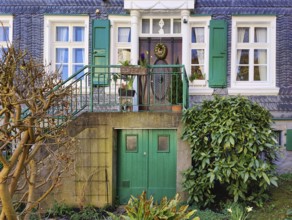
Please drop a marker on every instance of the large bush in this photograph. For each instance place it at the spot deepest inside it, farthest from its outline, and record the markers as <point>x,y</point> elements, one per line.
<point>233,149</point>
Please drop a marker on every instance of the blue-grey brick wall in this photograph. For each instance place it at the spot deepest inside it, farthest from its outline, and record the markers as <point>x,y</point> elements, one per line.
<point>28,32</point>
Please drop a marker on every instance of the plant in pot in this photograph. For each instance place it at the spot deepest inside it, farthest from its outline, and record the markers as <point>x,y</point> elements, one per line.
<point>176,89</point>
<point>126,88</point>
<point>196,74</point>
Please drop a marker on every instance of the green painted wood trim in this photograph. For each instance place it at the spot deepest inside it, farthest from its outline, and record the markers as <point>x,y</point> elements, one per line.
<point>289,139</point>
<point>218,54</point>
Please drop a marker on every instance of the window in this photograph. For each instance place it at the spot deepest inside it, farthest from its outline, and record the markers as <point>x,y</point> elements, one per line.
<point>160,26</point>
<point>253,53</point>
<point>123,43</point>
<point>199,52</point>
<point>66,43</point>
<point>6,24</point>
<point>121,39</point>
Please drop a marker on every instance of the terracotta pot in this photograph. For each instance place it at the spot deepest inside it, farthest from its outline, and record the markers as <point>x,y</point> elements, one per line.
<point>176,108</point>
<point>133,70</point>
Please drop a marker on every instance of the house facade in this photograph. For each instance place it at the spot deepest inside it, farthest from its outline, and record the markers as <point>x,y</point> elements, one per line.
<point>220,47</point>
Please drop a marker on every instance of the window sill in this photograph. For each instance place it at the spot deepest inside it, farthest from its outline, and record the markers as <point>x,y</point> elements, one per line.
<point>259,91</point>
<point>193,90</point>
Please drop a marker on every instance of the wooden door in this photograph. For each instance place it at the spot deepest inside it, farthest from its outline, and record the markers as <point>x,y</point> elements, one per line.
<point>146,162</point>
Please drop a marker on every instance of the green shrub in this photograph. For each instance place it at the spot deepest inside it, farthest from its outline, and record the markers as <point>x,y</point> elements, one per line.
<point>87,213</point>
<point>233,151</point>
<point>143,208</point>
<point>60,210</point>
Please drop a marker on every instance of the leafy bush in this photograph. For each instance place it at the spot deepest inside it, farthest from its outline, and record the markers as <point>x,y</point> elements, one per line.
<point>143,208</point>
<point>233,149</point>
<point>87,213</point>
<point>59,210</point>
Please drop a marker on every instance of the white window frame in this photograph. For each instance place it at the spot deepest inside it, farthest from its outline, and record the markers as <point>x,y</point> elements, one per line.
<point>7,21</point>
<point>50,44</point>
<point>254,87</point>
<point>116,22</point>
<point>151,18</point>
<point>200,87</point>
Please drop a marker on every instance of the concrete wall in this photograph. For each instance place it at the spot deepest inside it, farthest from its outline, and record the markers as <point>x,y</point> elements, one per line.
<point>95,169</point>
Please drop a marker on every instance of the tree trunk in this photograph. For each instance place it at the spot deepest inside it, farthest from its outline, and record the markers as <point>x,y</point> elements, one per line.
<point>31,189</point>
<point>8,212</point>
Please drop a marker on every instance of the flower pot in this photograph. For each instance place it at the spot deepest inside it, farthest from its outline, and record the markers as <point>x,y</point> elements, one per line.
<point>126,92</point>
<point>176,108</point>
<point>133,70</point>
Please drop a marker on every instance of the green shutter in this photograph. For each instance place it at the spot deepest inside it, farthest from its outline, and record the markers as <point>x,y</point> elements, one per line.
<point>289,139</point>
<point>100,51</point>
<point>218,54</point>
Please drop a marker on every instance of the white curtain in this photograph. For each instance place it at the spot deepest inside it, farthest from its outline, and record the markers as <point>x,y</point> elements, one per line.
<point>261,36</point>
<point>62,61</point>
<point>124,34</point>
<point>240,38</point>
<point>62,34</point>
<point>199,32</point>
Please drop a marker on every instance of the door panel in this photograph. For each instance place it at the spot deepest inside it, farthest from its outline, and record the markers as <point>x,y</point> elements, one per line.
<point>146,162</point>
<point>162,164</point>
<point>132,163</point>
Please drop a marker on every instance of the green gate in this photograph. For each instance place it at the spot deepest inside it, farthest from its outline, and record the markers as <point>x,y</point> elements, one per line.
<point>146,162</point>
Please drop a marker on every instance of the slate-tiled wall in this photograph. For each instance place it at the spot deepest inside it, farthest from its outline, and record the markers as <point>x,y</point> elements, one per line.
<point>28,32</point>
<point>224,9</point>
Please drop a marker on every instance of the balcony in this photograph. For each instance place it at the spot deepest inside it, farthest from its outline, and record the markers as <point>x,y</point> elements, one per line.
<point>113,88</point>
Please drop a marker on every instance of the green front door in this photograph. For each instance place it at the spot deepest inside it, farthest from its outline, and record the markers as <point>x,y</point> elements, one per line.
<point>146,162</point>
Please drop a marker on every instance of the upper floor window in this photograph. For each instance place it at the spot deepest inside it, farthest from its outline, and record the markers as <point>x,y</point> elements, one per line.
<point>161,26</point>
<point>66,43</point>
<point>6,24</point>
<point>253,52</point>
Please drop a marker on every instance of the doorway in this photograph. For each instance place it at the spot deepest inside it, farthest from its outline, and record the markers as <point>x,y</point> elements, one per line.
<point>146,162</point>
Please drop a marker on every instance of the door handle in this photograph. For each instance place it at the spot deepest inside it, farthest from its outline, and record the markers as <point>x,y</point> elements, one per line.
<point>144,154</point>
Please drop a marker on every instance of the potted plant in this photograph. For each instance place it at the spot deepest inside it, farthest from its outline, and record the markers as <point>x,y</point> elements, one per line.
<point>126,88</point>
<point>141,69</point>
<point>196,77</point>
<point>176,89</point>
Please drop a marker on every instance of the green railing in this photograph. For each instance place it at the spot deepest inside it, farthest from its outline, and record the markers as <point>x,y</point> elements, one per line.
<point>104,89</point>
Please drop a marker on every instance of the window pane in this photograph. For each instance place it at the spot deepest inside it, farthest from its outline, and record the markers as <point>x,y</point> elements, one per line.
<point>242,73</point>
<point>243,56</point>
<point>62,33</point>
<point>4,33</point>
<point>197,73</point>
<point>260,35</point>
<point>63,70</point>
<point>161,26</point>
<point>77,68</point>
<point>2,51</point>
<point>260,56</point>
<point>78,34</point>
<point>260,73</point>
<point>131,143</point>
<point>78,55</point>
<point>124,34</point>
<point>243,35</point>
<point>176,26</point>
<point>123,55</point>
<point>163,143</point>
<point>198,35</point>
<point>145,26</point>
<point>198,56</point>
<point>61,55</point>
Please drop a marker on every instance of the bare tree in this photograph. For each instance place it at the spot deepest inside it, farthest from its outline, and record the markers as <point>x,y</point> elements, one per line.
<point>34,112</point>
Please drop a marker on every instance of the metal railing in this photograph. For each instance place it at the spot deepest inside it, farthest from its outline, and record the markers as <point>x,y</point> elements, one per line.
<point>108,89</point>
